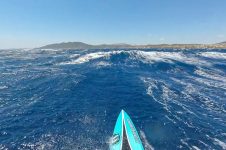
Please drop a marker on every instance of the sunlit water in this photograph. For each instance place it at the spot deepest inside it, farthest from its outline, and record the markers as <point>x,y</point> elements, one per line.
<point>70,99</point>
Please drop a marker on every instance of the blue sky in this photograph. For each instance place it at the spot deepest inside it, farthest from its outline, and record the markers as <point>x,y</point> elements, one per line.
<point>33,23</point>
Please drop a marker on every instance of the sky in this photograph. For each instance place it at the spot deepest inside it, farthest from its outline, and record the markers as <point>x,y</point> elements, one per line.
<point>34,23</point>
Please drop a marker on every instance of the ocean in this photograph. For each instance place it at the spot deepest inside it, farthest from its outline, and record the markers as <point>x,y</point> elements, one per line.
<point>70,99</point>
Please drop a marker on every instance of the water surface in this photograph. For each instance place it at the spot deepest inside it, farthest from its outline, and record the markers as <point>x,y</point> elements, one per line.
<point>70,99</point>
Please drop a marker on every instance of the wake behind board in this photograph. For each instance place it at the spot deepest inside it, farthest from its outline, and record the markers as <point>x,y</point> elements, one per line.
<point>125,135</point>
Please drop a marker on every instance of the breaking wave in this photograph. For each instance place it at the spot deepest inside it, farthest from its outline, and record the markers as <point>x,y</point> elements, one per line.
<point>143,56</point>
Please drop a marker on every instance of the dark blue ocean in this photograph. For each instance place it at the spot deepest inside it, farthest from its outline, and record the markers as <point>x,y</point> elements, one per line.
<point>70,99</point>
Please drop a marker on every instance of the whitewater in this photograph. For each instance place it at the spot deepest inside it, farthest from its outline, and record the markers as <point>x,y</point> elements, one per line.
<point>70,99</point>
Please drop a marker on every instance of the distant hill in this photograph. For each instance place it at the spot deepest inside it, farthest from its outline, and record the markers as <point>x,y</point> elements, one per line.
<point>68,45</point>
<point>80,45</point>
<point>222,43</point>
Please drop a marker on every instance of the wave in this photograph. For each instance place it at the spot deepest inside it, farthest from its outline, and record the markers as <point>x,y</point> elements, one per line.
<point>139,55</point>
<point>87,58</point>
<point>215,55</point>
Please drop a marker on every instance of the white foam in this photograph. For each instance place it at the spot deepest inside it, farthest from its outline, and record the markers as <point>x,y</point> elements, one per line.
<point>147,145</point>
<point>88,57</point>
<point>49,49</point>
<point>169,57</point>
<point>196,148</point>
<point>167,93</point>
<point>3,87</point>
<point>74,55</point>
<point>151,88</point>
<point>3,147</point>
<point>211,83</point>
<point>210,75</point>
<point>184,142</point>
<point>215,55</point>
<point>174,122</point>
<point>211,78</point>
<point>102,64</point>
<point>153,56</point>
<point>203,143</point>
<point>220,143</point>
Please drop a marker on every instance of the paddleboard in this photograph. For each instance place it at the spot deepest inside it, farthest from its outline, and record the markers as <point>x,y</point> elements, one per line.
<point>125,135</point>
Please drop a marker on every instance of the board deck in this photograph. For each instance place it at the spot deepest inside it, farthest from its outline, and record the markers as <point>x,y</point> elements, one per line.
<point>125,129</point>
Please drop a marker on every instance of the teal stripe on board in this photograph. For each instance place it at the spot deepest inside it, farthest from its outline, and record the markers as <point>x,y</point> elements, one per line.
<point>116,141</point>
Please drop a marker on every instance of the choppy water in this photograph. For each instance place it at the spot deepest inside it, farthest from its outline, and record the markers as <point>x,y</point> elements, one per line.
<point>70,99</point>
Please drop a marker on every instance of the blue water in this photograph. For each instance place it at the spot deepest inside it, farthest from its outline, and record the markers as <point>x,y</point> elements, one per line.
<point>70,99</point>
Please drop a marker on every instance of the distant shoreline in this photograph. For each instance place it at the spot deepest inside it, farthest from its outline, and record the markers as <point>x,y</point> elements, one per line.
<point>80,45</point>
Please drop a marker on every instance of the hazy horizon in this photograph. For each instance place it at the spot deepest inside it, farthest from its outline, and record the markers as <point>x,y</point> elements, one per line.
<point>31,24</point>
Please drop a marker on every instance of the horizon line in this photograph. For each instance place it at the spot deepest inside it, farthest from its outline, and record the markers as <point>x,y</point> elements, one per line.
<point>114,44</point>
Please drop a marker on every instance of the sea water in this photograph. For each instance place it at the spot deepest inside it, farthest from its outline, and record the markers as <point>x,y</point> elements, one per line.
<point>70,99</point>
